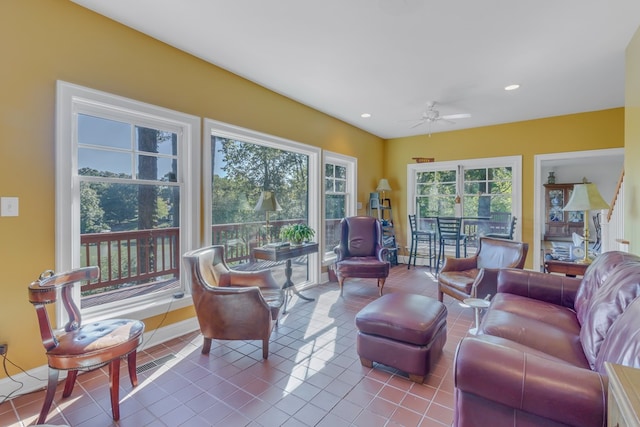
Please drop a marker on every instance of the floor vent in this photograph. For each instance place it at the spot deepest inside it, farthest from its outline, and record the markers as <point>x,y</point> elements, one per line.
<point>155,363</point>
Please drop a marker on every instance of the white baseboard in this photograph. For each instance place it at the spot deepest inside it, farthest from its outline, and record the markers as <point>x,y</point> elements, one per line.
<point>36,378</point>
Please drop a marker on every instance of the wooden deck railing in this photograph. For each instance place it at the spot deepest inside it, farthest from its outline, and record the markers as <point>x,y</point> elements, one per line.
<point>131,258</point>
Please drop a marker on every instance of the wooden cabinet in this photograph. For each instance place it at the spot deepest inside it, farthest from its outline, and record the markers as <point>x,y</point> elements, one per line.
<point>623,402</point>
<point>559,225</point>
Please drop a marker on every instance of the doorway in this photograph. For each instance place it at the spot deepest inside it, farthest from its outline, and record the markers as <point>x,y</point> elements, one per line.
<point>602,167</point>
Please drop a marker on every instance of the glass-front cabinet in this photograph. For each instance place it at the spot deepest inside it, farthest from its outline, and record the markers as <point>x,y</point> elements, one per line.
<point>559,224</point>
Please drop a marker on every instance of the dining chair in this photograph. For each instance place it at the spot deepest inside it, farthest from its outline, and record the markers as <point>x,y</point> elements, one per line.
<point>418,237</point>
<point>508,234</point>
<point>82,347</point>
<point>449,233</point>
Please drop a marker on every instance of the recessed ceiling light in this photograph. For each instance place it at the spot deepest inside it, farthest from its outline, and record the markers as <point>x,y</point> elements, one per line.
<point>512,87</point>
<point>365,115</point>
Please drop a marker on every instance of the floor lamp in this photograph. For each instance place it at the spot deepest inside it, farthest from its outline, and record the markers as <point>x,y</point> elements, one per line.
<point>267,203</point>
<point>585,197</point>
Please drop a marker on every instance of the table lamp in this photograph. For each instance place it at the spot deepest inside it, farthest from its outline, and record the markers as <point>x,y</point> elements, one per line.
<point>585,197</point>
<point>383,186</point>
<point>267,203</point>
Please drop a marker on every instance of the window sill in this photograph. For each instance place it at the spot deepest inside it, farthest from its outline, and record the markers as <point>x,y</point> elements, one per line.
<point>138,310</point>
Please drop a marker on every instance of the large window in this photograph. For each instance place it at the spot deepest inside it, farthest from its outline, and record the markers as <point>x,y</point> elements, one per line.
<point>481,190</point>
<point>243,170</point>
<point>339,197</point>
<point>124,194</point>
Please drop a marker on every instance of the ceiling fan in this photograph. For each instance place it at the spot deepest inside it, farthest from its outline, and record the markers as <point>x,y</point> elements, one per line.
<point>431,115</point>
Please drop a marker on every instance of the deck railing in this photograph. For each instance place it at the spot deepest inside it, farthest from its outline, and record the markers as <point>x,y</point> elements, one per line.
<point>131,258</point>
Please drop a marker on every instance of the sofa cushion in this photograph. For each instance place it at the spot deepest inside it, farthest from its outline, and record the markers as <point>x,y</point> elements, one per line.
<point>544,327</point>
<point>619,290</point>
<point>622,343</point>
<point>595,276</point>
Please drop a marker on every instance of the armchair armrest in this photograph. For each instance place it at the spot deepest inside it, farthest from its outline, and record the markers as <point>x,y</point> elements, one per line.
<point>459,264</point>
<point>552,288</point>
<point>488,367</point>
<point>261,278</point>
<point>382,253</point>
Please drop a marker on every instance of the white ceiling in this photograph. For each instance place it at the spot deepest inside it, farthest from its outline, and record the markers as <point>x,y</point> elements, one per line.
<point>390,57</point>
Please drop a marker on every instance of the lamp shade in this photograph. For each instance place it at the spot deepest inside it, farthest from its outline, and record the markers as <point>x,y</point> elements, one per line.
<point>267,202</point>
<point>383,185</point>
<point>585,197</point>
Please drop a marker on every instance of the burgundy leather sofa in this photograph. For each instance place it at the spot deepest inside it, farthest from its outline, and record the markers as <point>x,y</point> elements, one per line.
<point>539,357</point>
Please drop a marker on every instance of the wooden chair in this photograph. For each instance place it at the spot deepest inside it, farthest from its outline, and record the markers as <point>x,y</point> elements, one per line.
<point>81,347</point>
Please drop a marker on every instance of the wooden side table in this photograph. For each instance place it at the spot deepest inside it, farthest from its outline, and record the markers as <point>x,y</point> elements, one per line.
<point>286,253</point>
<point>571,269</point>
<point>624,395</point>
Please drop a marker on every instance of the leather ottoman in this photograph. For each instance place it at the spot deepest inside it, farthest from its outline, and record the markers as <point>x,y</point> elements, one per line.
<point>404,331</point>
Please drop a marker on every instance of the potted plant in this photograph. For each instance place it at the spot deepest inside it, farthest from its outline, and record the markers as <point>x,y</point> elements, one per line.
<point>296,234</point>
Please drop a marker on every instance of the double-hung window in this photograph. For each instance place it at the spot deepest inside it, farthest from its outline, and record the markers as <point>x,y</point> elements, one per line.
<point>339,197</point>
<point>126,196</point>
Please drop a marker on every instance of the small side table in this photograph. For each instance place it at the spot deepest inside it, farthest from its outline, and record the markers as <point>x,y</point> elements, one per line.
<point>477,304</point>
<point>571,269</point>
<point>286,253</point>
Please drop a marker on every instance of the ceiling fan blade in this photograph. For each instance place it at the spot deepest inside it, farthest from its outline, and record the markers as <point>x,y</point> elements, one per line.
<point>421,122</point>
<point>456,116</point>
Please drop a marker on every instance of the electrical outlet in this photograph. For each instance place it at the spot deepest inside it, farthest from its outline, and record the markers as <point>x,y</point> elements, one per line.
<point>3,349</point>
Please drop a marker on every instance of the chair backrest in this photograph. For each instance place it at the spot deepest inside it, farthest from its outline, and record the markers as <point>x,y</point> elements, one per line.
<point>512,228</point>
<point>212,270</point>
<point>413,224</point>
<point>449,227</point>
<point>501,253</point>
<point>44,291</point>
<point>360,235</point>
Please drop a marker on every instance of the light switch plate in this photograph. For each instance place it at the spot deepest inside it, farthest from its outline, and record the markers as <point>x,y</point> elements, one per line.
<point>8,206</point>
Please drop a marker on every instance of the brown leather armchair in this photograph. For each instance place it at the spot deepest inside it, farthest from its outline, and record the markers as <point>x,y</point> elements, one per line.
<point>458,275</point>
<point>360,252</point>
<point>231,304</point>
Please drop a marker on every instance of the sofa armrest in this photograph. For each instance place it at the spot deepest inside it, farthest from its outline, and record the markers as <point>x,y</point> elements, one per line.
<point>459,264</point>
<point>488,367</point>
<point>552,288</point>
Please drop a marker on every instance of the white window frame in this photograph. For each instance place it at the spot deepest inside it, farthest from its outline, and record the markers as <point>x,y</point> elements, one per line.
<point>73,99</point>
<point>351,164</point>
<point>514,162</point>
<point>226,130</point>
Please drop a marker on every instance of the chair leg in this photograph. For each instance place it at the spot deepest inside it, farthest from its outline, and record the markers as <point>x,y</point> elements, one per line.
<point>381,285</point>
<point>410,254</point>
<point>71,381</point>
<point>206,346</point>
<point>133,372</point>
<point>48,398</point>
<point>341,283</point>
<point>114,387</point>
<point>265,348</point>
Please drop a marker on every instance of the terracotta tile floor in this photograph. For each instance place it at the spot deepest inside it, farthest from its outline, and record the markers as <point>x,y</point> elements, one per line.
<point>313,376</point>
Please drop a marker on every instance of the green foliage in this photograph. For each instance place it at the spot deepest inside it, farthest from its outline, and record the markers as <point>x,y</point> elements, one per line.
<point>243,169</point>
<point>297,233</point>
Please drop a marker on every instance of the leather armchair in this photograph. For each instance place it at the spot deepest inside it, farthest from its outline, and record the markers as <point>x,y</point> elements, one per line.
<point>231,304</point>
<point>459,276</point>
<point>360,252</point>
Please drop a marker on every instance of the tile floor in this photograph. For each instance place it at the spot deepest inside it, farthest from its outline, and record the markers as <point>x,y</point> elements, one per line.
<point>313,376</point>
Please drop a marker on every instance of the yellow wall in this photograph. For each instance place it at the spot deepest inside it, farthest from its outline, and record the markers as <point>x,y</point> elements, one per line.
<point>632,145</point>
<point>48,40</point>
<point>576,132</point>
